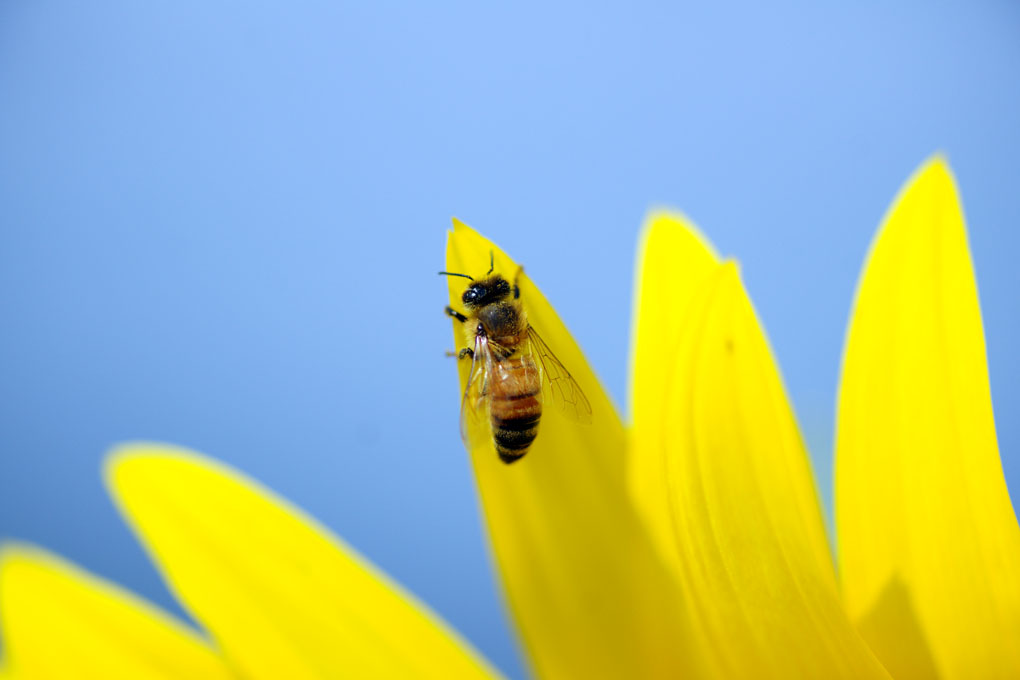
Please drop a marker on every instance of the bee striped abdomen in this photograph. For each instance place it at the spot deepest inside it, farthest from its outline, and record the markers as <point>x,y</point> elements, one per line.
<point>516,407</point>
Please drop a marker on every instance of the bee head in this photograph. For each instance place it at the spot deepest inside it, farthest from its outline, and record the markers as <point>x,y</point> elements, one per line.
<point>486,291</point>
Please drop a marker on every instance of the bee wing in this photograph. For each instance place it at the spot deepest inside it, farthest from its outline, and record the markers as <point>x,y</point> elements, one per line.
<point>558,383</point>
<point>472,405</point>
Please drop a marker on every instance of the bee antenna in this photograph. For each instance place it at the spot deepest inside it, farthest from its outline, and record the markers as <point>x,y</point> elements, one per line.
<point>453,274</point>
<point>492,263</point>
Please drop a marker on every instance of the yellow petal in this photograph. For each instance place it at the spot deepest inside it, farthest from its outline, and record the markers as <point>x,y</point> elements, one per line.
<point>723,454</point>
<point>60,622</point>
<point>281,596</point>
<point>675,264</point>
<point>589,593</point>
<point>929,545</point>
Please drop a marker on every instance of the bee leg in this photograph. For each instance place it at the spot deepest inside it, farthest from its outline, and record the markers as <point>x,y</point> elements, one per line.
<point>466,352</point>
<point>450,311</point>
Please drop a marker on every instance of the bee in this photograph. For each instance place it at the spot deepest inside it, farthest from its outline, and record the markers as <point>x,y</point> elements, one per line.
<point>511,366</point>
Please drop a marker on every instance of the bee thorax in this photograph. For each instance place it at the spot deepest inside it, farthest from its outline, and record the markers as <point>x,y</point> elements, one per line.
<point>501,320</point>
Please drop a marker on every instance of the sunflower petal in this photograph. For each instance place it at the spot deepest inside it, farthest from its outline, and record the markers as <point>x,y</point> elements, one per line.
<point>282,597</point>
<point>60,622</point>
<point>737,501</point>
<point>591,597</point>
<point>675,264</point>
<point>929,545</point>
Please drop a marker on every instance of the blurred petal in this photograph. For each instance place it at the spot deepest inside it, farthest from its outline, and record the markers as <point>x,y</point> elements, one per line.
<point>282,597</point>
<point>928,541</point>
<point>591,597</point>
<point>675,265</point>
<point>60,622</point>
<point>723,454</point>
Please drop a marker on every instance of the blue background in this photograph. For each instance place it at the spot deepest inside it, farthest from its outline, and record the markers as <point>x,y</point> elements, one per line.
<point>221,224</point>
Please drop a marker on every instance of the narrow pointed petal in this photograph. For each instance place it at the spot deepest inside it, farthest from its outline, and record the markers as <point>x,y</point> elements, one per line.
<point>675,265</point>
<point>929,545</point>
<point>60,622</point>
<point>722,453</point>
<point>590,595</point>
<point>281,596</point>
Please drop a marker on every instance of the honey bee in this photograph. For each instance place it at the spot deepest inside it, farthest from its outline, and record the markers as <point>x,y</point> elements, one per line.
<point>511,367</point>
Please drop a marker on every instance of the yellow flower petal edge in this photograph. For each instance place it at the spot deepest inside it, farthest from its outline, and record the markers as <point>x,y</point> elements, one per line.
<point>60,622</point>
<point>282,596</point>
<point>723,453</point>
<point>929,547</point>
<point>590,595</point>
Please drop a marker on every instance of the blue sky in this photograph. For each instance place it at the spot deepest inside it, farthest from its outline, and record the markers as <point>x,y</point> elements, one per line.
<point>221,225</point>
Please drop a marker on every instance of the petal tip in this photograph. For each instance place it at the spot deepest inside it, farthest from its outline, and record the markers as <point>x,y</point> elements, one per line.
<point>729,271</point>
<point>668,216</point>
<point>927,205</point>
<point>663,221</point>
<point>129,463</point>
<point>933,174</point>
<point>938,161</point>
<point>124,458</point>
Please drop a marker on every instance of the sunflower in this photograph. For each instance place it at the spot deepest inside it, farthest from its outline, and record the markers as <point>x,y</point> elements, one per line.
<point>690,544</point>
